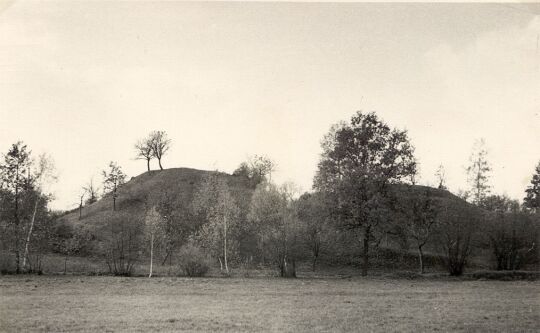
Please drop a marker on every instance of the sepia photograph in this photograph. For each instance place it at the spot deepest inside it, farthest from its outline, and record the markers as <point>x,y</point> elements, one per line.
<point>269,166</point>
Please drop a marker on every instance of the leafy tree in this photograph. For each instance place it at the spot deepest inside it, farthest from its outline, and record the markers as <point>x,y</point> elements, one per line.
<point>419,216</point>
<point>112,180</point>
<point>24,201</point>
<point>43,175</point>
<point>257,169</point>
<point>16,185</point>
<point>313,211</point>
<point>358,163</point>
<point>478,172</point>
<point>272,215</point>
<point>160,145</point>
<point>215,202</point>
<point>512,234</point>
<point>144,150</point>
<point>500,203</point>
<point>532,199</point>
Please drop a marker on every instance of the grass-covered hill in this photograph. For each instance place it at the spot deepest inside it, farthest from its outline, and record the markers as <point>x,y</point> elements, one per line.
<point>177,184</point>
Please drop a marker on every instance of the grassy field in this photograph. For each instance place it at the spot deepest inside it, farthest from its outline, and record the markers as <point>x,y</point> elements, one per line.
<point>79,303</point>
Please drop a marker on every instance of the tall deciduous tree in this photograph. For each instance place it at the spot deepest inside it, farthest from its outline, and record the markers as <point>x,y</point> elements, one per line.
<point>16,181</point>
<point>43,175</point>
<point>160,145</point>
<point>112,180</point>
<point>532,198</point>
<point>215,201</point>
<point>312,210</point>
<point>154,225</point>
<point>359,161</point>
<point>272,215</point>
<point>478,172</point>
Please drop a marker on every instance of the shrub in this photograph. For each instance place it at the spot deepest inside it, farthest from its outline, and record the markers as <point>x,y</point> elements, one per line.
<point>193,261</point>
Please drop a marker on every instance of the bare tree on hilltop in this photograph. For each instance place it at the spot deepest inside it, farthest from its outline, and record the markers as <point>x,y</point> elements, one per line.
<point>155,145</point>
<point>160,145</point>
<point>144,150</point>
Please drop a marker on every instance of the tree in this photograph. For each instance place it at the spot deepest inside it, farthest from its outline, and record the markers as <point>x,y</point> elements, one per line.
<point>358,163</point>
<point>457,229</point>
<point>122,246</point>
<point>112,180</point>
<point>313,212</point>
<point>144,150</point>
<point>262,166</point>
<point>92,192</point>
<point>214,200</point>
<point>160,145</point>
<point>441,177</point>
<point>532,199</point>
<point>419,216</point>
<point>178,221</point>
<point>16,182</point>
<point>81,197</point>
<point>153,223</point>
<point>511,233</point>
<point>500,203</point>
<point>257,169</point>
<point>43,175</point>
<point>272,216</point>
<point>478,172</point>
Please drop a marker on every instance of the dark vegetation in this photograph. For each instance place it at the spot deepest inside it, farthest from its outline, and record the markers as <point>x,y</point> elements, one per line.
<point>365,212</point>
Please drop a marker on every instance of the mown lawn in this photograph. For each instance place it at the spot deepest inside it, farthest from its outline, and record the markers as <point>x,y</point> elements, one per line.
<point>80,303</point>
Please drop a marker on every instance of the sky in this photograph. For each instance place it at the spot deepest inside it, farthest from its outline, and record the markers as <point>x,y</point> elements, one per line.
<point>83,81</point>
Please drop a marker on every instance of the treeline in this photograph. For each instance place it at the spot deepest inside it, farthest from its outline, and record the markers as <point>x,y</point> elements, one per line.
<point>364,203</point>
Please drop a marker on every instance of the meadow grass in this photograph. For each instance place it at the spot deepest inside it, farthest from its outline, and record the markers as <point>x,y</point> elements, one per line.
<point>104,303</point>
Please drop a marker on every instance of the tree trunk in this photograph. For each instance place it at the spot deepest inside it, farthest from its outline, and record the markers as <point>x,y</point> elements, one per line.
<point>65,265</point>
<point>159,162</point>
<point>151,253</point>
<point>366,253</point>
<point>225,244</point>
<point>288,269</point>
<point>114,202</point>
<point>17,222</point>
<point>27,242</point>
<point>148,164</point>
<point>314,265</point>
<point>421,259</point>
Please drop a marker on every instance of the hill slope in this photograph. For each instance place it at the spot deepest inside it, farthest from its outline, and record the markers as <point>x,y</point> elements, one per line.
<point>178,183</point>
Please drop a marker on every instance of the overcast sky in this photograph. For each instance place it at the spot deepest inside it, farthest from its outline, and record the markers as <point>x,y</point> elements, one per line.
<point>84,80</point>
